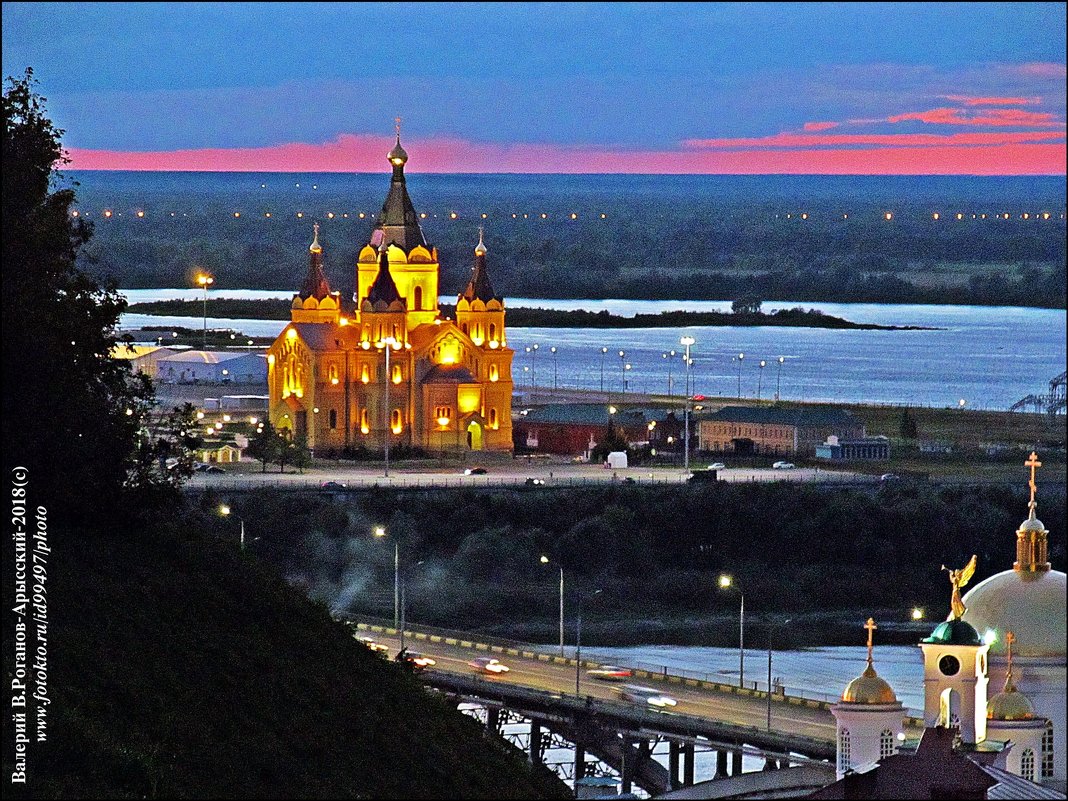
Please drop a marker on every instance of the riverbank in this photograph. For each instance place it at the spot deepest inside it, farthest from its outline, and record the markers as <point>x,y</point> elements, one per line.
<point>520,317</point>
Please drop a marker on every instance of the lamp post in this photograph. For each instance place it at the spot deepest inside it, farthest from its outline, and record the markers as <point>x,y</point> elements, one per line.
<point>740,357</point>
<point>552,350</point>
<point>578,640</point>
<point>687,341</point>
<point>778,377</point>
<point>534,370</point>
<point>205,281</point>
<point>623,374</point>
<point>604,352</point>
<point>727,583</point>
<point>760,378</point>
<point>443,421</point>
<point>387,344</point>
<point>380,532</point>
<point>771,628</point>
<point>224,510</point>
<point>545,560</point>
<point>670,357</point>
<point>404,608</point>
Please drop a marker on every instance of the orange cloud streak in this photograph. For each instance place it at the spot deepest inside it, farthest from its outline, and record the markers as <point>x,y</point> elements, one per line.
<point>968,100</point>
<point>884,140</point>
<point>992,117</point>
<point>820,126</point>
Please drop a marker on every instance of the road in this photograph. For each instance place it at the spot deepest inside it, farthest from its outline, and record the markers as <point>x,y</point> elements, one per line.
<point>556,678</point>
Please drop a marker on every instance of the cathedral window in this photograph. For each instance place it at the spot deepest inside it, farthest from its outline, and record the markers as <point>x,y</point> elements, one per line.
<point>886,744</point>
<point>464,328</point>
<point>493,419</point>
<point>365,373</point>
<point>492,331</point>
<point>364,427</point>
<point>418,298</point>
<point>396,370</point>
<point>494,375</point>
<point>1027,764</point>
<point>1047,751</point>
<point>395,421</point>
<point>333,419</point>
<point>843,751</point>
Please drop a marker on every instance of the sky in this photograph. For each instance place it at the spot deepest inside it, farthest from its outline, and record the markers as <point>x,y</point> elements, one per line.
<point>734,88</point>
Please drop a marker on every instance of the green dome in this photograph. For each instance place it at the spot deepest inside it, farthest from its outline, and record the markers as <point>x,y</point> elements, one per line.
<point>954,632</point>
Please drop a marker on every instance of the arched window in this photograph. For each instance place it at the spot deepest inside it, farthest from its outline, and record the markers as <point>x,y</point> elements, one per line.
<point>493,373</point>
<point>493,331</point>
<point>843,751</point>
<point>395,422</point>
<point>464,328</point>
<point>1047,751</point>
<point>364,427</point>
<point>493,418</point>
<point>333,419</point>
<point>365,373</point>
<point>396,370</point>
<point>1027,764</point>
<point>418,298</point>
<point>886,744</point>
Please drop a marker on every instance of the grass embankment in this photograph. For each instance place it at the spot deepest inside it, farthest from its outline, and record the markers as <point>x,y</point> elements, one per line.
<point>180,668</point>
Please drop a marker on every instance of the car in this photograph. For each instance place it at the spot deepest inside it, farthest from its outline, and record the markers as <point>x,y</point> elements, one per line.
<point>609,673</point>
<point>534,482</point>
<point>214,468</point>
<point>783,466</point>
<point>646,695</point>
<point>416,661</point>
<point>376,647</point>
<point>332,485</point>
<point>489,665</point>
<point>717,466</point>
<point>889,477</point>
<point>702,475</point>
<point>475,471</point>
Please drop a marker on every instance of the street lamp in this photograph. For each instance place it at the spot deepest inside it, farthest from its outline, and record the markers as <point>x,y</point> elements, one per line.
<point>534,370</point>
<point>727,583</point>
<point>778,377</point>
<point>205,280</point>
<point>771,628</point>
<point>552,350</point>
<point>545,560</point>
<point>224,510</point>
<point>623,373</point>
<point>443,421</point>
<point>687,341</point>
<point>380,533</point>
<point>760,378</point>
<point>387,345</point>
<point>740,357</point>
<point>670,356</point>
<point>604,352</point>
<point>917,613</point>
<point>578,639</point>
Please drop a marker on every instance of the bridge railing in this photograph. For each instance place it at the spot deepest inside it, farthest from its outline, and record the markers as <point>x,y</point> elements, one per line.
<point>475,640</point>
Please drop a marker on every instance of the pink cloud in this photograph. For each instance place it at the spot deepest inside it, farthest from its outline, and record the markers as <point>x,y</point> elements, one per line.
<point>1043,69</point>
<point>995,153</point>
<point>990,117</point>
<point>993,101</point>
<point>820,126</point>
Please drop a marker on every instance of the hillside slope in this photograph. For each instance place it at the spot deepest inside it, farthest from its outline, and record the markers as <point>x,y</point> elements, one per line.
<point>184,669</point>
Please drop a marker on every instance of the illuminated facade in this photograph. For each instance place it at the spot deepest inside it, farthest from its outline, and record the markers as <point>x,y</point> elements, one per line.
<point>394,369</point>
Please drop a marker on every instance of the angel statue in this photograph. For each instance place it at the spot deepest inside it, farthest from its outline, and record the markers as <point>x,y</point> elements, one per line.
<point>958,578</point>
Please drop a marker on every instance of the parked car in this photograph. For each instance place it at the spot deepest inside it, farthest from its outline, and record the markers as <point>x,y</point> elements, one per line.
<point>646,695</point>
<point>489,665</point>
<point>376,647</point>
<point>783,466</point>
<point>534,482</point>
<point>214,468</point>
<point>332,485</point>
<point>475,471</point>
<point>609,673</point>
<point>889,477</point>
<point>703,475</point>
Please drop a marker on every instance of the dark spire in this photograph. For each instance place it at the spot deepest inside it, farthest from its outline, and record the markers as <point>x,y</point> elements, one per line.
<point>384,289</point>
<point>315,285</point>
<point>479,286</point>
<point>398,221</point>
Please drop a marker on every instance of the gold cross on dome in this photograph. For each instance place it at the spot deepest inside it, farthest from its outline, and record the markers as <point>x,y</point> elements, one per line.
<point>1010,638</point>
<point>396,123</point>
<point>871,627</point>
<point>1034,464</point>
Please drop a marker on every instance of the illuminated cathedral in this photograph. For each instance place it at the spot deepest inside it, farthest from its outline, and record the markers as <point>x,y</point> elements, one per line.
<point>394,372</point>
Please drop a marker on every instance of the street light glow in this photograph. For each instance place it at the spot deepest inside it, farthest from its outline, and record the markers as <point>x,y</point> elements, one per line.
<point>917,613</point>
<point>380,531</point>
<point>725,581</point>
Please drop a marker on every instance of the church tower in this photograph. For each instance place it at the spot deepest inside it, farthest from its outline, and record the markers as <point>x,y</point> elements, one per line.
<point>955,669</point>
<point>1010,717</point>
<point>869,718</point>
<point>315,303</point>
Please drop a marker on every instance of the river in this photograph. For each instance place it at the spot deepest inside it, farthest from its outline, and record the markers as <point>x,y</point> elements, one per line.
<point>987,356</point>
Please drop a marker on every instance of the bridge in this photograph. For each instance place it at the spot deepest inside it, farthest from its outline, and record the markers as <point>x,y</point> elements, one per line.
<point>549,701</point>
<point>1052,403</point>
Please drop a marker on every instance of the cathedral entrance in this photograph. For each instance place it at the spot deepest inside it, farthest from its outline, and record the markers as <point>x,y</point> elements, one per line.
<point>474,436</point>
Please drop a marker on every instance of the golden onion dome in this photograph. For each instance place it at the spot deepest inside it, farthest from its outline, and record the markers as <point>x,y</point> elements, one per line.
<point>1010,705</point>
<point>398,155</point>
<point>869,688</point>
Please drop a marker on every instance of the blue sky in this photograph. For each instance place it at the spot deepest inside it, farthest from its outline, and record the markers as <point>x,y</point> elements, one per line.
<point>551,79</point>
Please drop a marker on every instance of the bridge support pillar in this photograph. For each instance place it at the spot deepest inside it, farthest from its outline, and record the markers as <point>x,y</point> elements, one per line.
<point>628,767</point>
<point>673,763</point>
<point>687,764</point>
<point>721,765</point>
<point>535,742</point>
<point>580,762</point>
<point>493,720</point>
<point>736,762</point>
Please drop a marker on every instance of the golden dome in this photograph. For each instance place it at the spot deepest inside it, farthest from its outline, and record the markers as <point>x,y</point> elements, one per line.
<point>868,688</point>
<point>398,155</point>
<point>1010,705</point>
<point>1030,604</point>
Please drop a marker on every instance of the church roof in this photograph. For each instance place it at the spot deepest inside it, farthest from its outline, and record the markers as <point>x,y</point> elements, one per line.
<point>319,336</point>
<point>779,416</point>
<point>315,283</point>
<point>479,287</point>
<point>384,289</point>
<point>449,374</point>
<point>954,632</point>
<point>1030,604</point>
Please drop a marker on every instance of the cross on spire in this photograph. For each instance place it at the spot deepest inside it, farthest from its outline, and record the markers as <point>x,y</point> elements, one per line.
<point>871,627</point>
<point>1034,464</point>
<point>397,123</point>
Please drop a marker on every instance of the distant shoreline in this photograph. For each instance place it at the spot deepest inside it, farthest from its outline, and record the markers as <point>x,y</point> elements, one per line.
<point>542,318</point>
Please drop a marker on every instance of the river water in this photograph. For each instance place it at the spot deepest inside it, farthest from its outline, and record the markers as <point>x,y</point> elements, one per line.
<point>989,357</point>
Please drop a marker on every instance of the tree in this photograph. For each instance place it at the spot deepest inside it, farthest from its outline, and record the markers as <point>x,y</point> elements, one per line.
<point>908,428</point>
<point>71,412</point>
<point>612,440</point>
<point>300,455</point>
<point>264,444</point>
<point>747,304</point>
